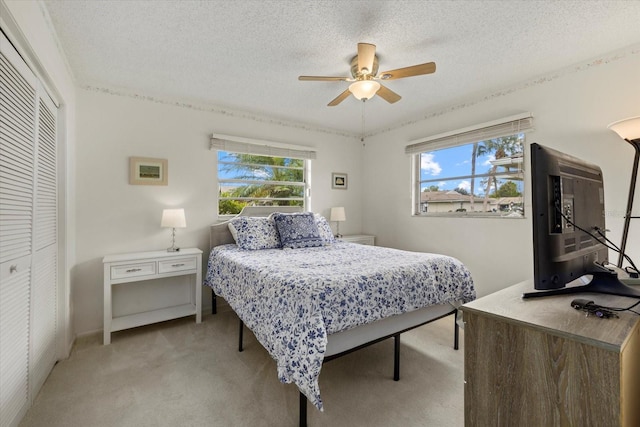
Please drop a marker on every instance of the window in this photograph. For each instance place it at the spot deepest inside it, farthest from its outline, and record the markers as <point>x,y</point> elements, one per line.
<point>470,174</point>
<point>251,174</point>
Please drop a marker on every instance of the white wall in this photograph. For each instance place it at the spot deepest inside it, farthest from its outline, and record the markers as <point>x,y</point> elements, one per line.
<point>28,29</point>
<point>571,109</point>
<point>115,217</point>
<point>103,214</point>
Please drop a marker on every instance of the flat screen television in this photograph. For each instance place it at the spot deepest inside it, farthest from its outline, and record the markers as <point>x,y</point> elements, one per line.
<point>568,214</point>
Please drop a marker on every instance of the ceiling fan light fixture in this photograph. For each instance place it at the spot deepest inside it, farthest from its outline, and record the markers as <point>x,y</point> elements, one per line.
<point>364,89</point>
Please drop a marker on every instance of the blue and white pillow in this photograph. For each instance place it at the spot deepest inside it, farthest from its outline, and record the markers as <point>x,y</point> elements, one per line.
<point>324,229</point>
<point>254,233</point>
<point>298,230</point>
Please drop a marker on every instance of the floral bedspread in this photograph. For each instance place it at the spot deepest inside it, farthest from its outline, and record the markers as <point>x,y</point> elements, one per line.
<point>293,298</point>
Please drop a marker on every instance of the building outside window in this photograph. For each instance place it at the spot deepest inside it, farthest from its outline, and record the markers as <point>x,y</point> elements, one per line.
<point>473,173</point>
<point>485,177</point>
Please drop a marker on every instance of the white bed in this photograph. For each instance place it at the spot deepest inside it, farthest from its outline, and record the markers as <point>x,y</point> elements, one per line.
<point>310,305</point>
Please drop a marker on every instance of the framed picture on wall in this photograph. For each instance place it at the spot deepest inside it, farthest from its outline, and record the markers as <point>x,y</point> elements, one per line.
<point>339,180</point>
<point>147,171</point>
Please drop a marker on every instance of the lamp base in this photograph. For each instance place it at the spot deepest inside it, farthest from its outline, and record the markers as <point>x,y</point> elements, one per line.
<point>173,241</point>
<point>338,235</point>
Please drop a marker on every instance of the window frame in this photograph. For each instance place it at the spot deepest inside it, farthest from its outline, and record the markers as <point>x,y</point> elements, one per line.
<point>515,125</point>
<point>305,183</point>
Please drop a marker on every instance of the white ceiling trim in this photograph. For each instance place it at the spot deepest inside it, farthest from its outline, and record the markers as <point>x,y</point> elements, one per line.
<point>246,55</point>
<point>215,109</point>
<point>56,40</point>
<point>537,81</point>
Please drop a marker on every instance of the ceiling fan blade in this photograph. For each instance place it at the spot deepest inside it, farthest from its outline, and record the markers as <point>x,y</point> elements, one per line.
<point>388,95</point>
<point>415,70</point>
<point>366,53</point>
<point>323,79</point>
<point>344,95</point>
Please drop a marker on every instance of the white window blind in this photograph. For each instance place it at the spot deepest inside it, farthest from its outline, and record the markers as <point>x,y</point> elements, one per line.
<point>504,127</point>
<point>257,147</point>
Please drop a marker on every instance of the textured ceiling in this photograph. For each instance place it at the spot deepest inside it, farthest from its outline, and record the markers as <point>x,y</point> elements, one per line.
<point>246,55</point>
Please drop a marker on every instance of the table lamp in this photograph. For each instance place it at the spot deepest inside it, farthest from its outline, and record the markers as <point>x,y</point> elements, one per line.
<point>173,218</point>
<point>629,130</point>
<point>338,215</point>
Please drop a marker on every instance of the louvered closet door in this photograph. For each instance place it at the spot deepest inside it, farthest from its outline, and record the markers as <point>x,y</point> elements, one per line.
<point>44,266</point>
<point>17,135</point>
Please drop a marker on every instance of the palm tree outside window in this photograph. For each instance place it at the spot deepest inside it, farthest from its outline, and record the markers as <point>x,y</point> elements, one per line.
<point>483,178</point>
<point>247,179</point>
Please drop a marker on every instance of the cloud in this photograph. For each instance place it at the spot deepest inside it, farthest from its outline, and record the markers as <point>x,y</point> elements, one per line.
<point>465,185</point>
<point>260,174</point>
<point>489,158</point>
<point>429,165</point>
<point>442,184</point>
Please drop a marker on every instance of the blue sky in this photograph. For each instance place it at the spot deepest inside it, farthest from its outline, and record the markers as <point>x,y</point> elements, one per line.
<point>454,162</point>
<point>439,166</point>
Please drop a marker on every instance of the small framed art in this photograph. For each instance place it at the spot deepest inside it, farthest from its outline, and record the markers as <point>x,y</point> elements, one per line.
<point>147,171</point>
<point>339,180</point>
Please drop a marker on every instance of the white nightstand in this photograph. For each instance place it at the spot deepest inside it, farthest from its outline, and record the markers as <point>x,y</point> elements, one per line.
<point>137,267</point>
<point>363,239</point>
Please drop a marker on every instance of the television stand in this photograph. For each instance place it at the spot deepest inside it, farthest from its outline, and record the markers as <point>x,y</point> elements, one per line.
<point>603,282</point>
<point>539,362</point>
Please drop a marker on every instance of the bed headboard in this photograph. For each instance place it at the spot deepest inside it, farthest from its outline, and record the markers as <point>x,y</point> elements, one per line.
<point>219,233</point>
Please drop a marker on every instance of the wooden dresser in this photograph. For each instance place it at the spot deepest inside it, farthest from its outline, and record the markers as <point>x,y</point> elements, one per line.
<point>540,362</point>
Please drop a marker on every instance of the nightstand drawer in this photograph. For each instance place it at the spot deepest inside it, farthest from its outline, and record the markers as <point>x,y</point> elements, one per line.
<point>180,264</point>
<point>159,266</point>
<point>133,270</point>
<point>362,239</point>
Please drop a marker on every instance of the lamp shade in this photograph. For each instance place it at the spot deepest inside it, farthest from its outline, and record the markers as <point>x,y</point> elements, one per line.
<point>173,218</point>
<point>628,129</point>
<point>338,214</point>
<point>364,89</point>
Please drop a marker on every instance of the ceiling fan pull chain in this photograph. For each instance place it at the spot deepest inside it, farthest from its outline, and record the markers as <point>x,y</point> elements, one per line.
<point>362,135</point>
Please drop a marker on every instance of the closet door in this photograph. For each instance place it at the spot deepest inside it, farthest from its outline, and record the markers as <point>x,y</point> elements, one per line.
<point>44,285</point>
<point>17,149</point>
<point>28,235</point>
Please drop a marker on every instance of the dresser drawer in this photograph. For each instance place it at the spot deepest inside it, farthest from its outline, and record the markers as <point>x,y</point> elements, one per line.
<point>133,270</point>
<point>180,264</point>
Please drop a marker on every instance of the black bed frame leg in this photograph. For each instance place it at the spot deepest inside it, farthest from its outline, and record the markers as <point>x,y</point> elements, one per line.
<point>241,330</point>
<point>396,357</point>
<point>214,303</point>
<point>303,410</point>
<point>456,330</point>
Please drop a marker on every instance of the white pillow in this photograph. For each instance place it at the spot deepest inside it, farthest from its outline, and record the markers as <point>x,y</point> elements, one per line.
<point>234,232</point>
<point>324,229</point>
<point>254,233</point>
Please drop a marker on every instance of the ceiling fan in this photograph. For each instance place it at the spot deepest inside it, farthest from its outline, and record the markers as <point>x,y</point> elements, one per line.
<point>364,69</point>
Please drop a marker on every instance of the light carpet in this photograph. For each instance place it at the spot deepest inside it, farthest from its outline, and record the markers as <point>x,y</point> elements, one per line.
<point>179,373</point>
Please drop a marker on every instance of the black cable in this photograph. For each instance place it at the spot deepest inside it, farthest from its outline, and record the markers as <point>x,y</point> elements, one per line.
<point>591,307</point>
<point>600,310</point>
<point>617,249</point>
<point>631,271</point>
<point>624,309</point>
<point>613,247</point>
<point>605,243</point>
